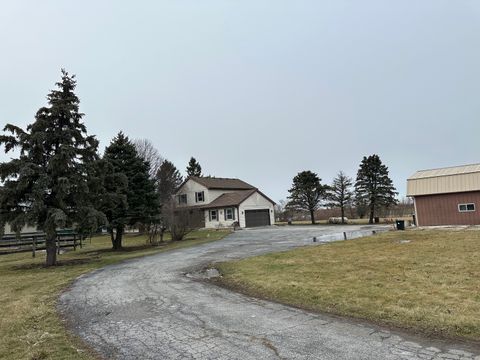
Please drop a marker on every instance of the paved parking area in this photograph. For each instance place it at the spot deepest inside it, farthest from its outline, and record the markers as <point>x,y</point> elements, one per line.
<point>149,309</point>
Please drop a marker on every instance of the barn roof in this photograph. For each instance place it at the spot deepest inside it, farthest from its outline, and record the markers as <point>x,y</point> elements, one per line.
<point>453,170</point>
<point>444,180</point>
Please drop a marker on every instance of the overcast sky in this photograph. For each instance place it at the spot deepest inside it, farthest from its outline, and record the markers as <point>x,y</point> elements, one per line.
<point>258,89</point>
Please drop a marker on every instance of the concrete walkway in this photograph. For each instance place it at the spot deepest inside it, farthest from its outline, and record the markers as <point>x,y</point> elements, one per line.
<point>149,309</point>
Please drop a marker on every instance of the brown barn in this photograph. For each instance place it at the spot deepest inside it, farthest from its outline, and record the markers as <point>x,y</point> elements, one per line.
<point>446,196</point>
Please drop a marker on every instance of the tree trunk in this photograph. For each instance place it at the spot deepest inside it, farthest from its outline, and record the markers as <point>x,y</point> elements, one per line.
<point>343,214</point>
<point>112,238</point>
<point>312,216</point>
<point>372,212</point>
<point>117,244</point>
<point>51,251</point>
<point>162,231</point>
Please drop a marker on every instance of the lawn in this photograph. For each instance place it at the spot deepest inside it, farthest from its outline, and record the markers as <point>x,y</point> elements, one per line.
<point>29,325</point>
<point>425,281</point>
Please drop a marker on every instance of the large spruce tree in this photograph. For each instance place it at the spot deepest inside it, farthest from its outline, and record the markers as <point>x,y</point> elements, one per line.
<point>306,193</point>
<point>141,204</point>
<point>47,185</point>
<point>194,168</point>
<point>373,186</point>
<point>168,181</point>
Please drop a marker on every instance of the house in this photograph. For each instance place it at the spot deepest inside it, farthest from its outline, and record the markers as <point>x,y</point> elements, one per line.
<point>446,196</point>
<point>223,202</point>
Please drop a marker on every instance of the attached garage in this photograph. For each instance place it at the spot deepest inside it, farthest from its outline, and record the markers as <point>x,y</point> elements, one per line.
<point>254,218</point>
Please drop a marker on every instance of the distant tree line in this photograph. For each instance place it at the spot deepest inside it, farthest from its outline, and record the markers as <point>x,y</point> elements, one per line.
<point>59,179</point>
<point>372,191</point>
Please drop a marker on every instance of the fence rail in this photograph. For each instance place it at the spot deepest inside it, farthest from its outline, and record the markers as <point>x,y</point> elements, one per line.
<point>37,241</point>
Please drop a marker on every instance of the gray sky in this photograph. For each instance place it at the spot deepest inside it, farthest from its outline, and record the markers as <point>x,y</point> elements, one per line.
<point>259,89</point>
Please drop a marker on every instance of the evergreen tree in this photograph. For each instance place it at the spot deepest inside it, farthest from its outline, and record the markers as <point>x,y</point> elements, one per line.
<point>373,186</point>
<point>47,185</point>
<point>306,193</point>
<point>168,181</point>
<point>194,168</point>
<point>141,199</point>
<point>340,193</point>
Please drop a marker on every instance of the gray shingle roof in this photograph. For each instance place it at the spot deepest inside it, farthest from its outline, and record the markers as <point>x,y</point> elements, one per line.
<point>230,199</point>
<point>222,183</point>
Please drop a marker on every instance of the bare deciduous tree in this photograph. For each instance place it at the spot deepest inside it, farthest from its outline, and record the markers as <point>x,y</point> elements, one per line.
<point>148,152</point>
<point>178,220</point>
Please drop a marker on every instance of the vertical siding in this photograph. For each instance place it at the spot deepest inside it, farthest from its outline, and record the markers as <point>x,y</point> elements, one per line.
<point>442,209</point>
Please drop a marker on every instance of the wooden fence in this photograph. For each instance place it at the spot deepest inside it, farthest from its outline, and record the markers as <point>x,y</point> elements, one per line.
<point>37,241</point>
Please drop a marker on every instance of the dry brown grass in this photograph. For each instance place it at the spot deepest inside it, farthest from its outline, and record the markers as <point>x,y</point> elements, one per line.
<point>29,325</point>
<point>430,284</point>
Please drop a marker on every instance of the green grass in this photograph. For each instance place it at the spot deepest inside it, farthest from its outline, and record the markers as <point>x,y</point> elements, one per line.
<point>430,284</point>
<point>29,325</point>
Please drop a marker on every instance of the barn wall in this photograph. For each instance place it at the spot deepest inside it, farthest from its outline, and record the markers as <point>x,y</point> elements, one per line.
<point>442,209</point>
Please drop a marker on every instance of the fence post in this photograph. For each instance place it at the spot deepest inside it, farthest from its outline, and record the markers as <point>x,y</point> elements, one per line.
<point>344,235</point>
<point>74,242</point>
<point>34,241</point>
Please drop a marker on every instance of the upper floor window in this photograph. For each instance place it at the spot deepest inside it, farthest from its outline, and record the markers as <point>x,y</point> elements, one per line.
<point>182,199</point>
<point>229,214</point>
<point>466,207</point>
<point>199,196</point>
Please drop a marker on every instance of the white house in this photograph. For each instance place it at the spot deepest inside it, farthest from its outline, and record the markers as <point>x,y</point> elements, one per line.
<point>225,202</point>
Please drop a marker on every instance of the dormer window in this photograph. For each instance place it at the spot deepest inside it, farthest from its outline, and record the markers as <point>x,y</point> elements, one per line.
<point>199,196</point>
<point>182,199</point>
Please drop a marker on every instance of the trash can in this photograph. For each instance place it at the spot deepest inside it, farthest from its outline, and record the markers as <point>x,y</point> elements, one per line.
<point>400,224</point>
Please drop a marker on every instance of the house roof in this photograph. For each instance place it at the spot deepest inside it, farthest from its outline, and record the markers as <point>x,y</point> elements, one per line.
<point>230,199</point>
<point>444,180</point>
<point>221,183</point>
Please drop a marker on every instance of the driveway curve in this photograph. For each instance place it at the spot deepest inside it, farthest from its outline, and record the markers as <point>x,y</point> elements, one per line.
<point>152,308</point>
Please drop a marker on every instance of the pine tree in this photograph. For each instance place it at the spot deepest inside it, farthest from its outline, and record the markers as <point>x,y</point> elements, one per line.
<point>373,186</point>
<point>194,168</point>
<point>141,198</point>
<point>340,193</point>
<point>168,181</point>
<point>47,185</point>
<point>306,193</point>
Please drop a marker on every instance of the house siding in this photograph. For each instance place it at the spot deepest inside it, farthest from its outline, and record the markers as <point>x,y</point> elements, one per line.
<point>255,201</point>
<point>442,209</point>
<point>220,222</point>
<point>191,187</point>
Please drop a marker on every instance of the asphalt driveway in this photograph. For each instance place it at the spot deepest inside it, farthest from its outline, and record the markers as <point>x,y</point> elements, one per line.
<point>155,308</point>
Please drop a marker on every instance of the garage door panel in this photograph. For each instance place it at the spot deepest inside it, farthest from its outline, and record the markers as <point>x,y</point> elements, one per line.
<point>260,217</point>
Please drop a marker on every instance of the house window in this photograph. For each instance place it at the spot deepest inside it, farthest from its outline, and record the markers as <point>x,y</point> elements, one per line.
<point>182,199</point>
<point>466,207</point>
<point>199,196</point>
<point>213,215</point>
<point>229,214</point>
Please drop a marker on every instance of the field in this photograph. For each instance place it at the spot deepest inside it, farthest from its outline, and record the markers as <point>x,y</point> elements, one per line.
<point>29,325</point>
<point>426,281</point>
